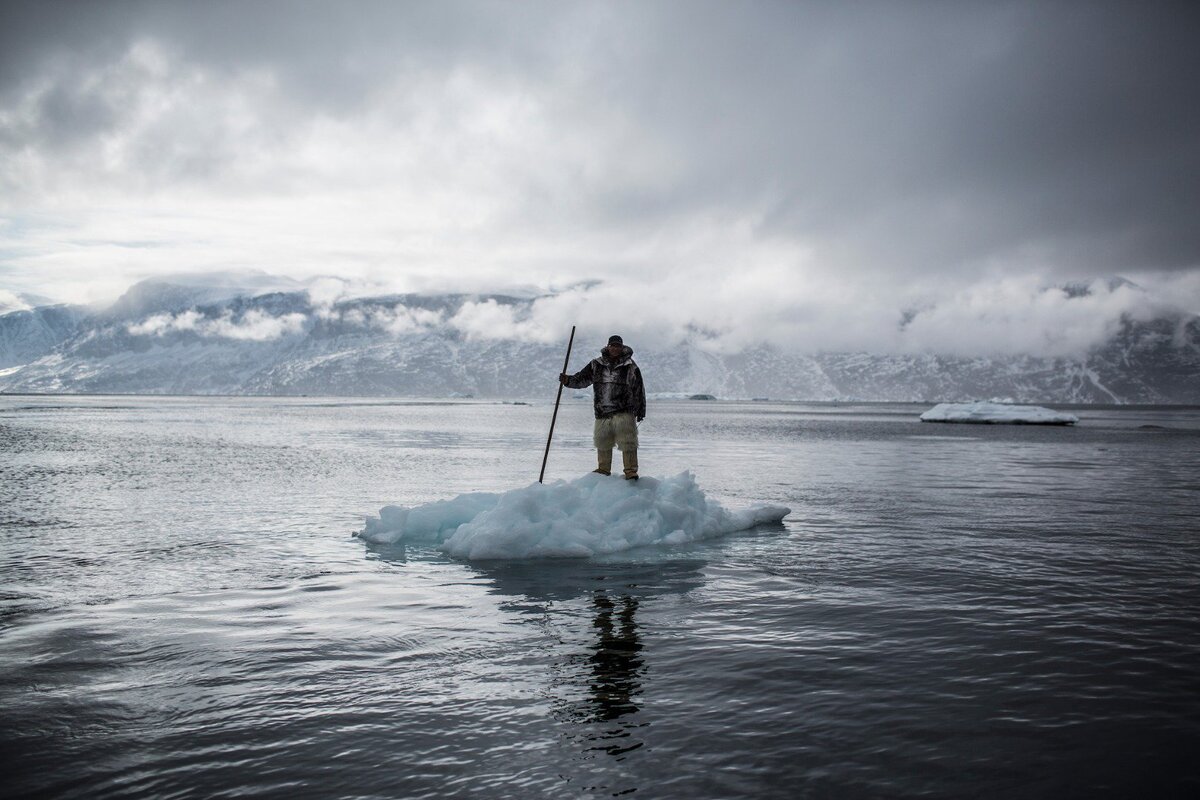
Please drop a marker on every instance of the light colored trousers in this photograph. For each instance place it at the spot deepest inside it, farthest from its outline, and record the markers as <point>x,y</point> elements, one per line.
<point>619,429</point>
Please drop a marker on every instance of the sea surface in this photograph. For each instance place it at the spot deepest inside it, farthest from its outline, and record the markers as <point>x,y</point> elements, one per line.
<point>949,611</point>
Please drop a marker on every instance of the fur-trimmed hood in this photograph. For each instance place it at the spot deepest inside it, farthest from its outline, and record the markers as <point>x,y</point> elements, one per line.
<point>626,357</point>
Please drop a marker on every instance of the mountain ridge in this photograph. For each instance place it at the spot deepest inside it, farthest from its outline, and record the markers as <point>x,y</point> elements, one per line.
<point>164,338</point>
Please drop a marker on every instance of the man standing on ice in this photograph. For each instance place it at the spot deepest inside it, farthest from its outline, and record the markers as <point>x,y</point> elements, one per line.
<point>620,403</point>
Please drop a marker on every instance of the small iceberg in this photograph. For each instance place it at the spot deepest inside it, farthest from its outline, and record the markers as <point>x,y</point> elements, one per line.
<point>997,413</point>
<point>592,515</point>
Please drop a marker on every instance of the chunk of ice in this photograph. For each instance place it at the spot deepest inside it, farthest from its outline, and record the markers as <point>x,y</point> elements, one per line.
<point>591,515</point>
<point>997,412</point>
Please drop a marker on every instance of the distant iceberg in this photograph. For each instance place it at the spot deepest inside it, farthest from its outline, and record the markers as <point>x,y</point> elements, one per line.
<point>591,515</point>
<point>997,413</point>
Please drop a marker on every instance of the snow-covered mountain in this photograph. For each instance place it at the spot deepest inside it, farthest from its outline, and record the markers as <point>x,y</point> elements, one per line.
<point>165,337</point>
<point>30,334</point>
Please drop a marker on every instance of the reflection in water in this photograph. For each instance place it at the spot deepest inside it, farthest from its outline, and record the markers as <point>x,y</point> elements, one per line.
<point>598,682</point>
<point>616,668</point>
<point>603,717</point>
<point>588,611</point>
<point>394,553</point>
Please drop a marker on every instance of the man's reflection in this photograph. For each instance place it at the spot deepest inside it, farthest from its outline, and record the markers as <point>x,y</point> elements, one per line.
<point>616,662</point>
<point>596,675</point>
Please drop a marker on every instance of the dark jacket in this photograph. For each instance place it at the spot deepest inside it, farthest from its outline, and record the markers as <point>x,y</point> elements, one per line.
<point>616,385</point>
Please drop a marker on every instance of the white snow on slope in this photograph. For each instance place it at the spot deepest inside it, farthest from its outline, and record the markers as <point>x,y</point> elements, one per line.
<point>997,413</point>
<point>591,515</point>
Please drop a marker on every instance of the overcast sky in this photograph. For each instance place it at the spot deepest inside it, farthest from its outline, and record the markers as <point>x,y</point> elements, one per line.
<point>812,174</point>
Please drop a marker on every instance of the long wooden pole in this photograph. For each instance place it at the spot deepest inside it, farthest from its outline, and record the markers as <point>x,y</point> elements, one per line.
<point>554,418</point>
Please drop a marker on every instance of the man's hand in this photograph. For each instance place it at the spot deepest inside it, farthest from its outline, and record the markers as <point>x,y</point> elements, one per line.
<point>562,378</point>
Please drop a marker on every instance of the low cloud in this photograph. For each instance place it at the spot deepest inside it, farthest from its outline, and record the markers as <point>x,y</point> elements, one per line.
<point>325,291</point>
<point>395,320</point>
<point>10,301</point>
<point>253,325</point>
<point>162,324</point>
<point>491,320</point>
<point>1018,316</point>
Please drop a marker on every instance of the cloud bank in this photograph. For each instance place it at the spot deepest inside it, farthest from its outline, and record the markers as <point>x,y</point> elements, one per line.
<point>254,325</point>
<point>1012,316</point>
<point>881,176</point>
<point>1007,317</point>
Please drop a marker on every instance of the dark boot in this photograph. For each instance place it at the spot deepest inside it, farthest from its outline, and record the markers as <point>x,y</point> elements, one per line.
<point>629,455</point>
<point>604,462</point>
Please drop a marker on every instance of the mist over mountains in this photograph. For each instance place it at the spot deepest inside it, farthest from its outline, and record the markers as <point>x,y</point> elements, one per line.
<point>214,337</point>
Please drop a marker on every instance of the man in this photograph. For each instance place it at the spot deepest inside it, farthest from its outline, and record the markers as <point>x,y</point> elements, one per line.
<point>620,403</point>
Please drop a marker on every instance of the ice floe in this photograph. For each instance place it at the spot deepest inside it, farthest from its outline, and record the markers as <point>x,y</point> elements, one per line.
<point>591,515</point>
<point>997,413</point>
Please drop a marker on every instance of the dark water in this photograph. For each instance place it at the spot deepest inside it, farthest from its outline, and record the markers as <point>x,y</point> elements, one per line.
<point>949,611</point>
